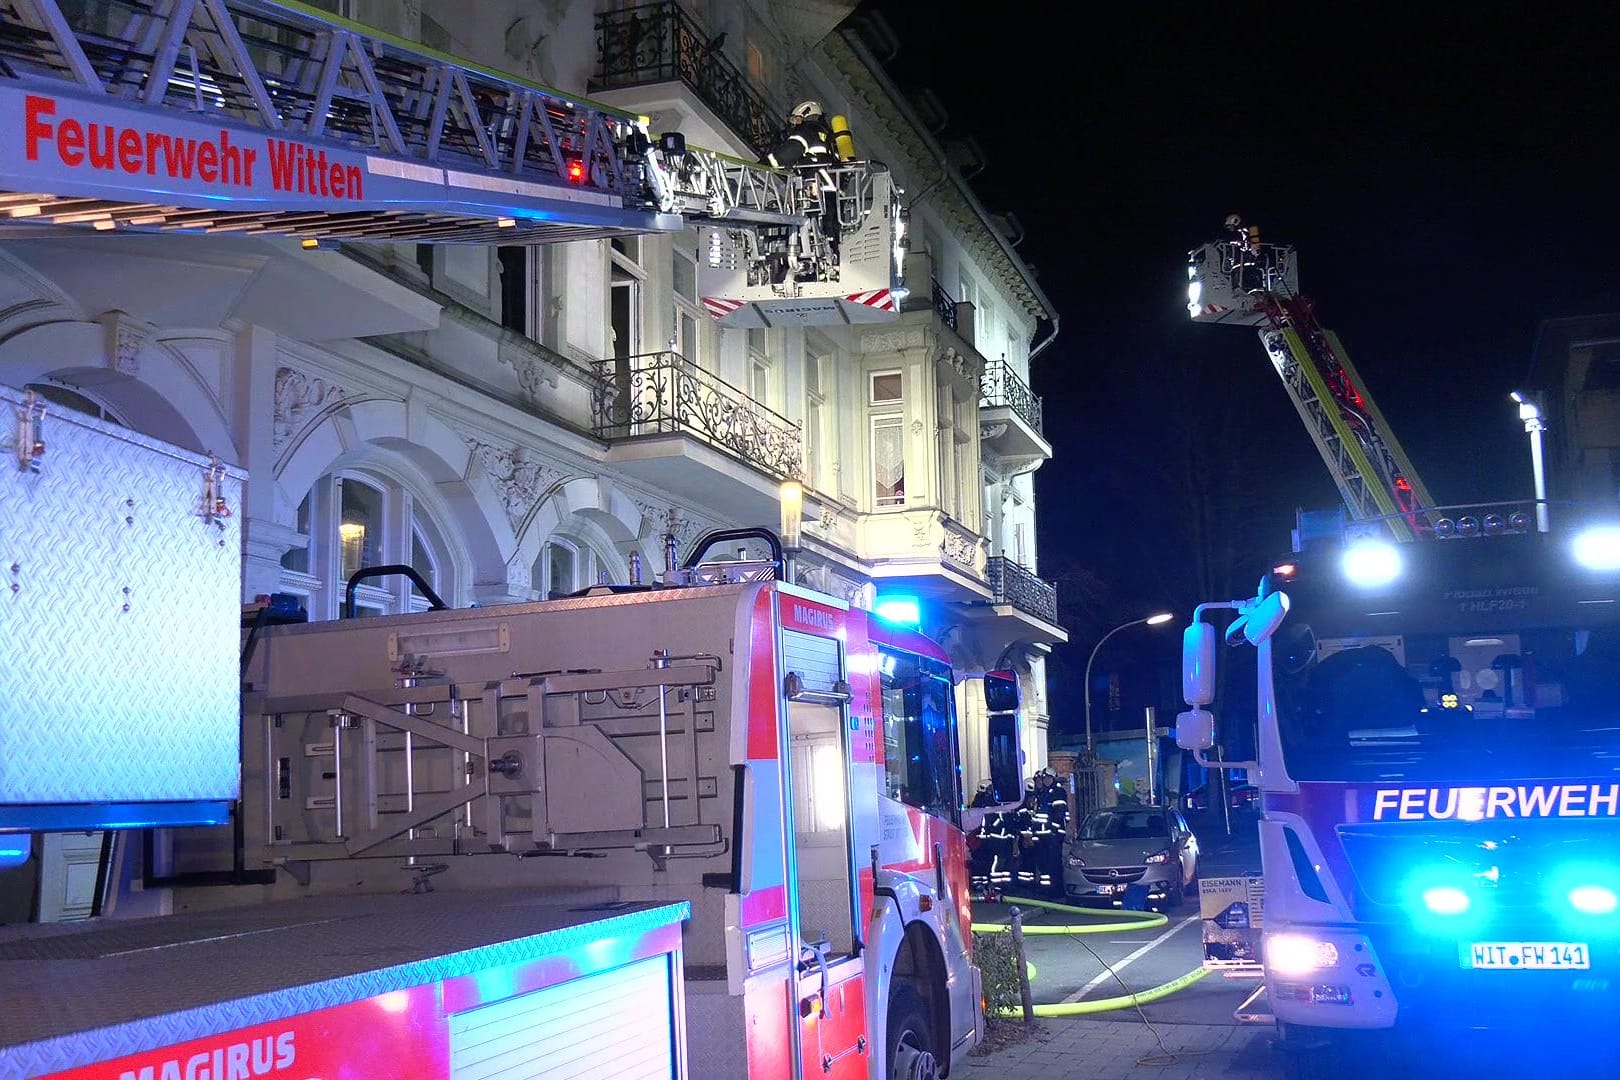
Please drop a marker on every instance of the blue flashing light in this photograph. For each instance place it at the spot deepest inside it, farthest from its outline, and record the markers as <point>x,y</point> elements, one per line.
<point>1593,899</point>
<point>899,610</point>
<point>1446,900</point>
<point>14,850</point>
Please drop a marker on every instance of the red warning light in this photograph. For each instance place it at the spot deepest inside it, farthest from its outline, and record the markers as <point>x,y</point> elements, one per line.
<point>576,171</point>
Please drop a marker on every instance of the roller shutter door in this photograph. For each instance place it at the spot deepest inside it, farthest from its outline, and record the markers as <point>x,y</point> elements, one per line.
<point>615,1025</point>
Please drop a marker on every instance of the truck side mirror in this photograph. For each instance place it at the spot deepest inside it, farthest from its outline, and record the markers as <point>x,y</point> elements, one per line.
<point>1195,729</point>
<point>1198,663</point>
<point>1264,618</point>
<point>1006,759</point>
<point>1000,692</point>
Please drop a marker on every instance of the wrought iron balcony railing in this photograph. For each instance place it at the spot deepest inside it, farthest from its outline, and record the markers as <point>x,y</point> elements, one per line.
<point>663,393</point>
<point>659,43</point>
<point>1012,584</point>
<point>1000,386</point>
<point>944,305</point>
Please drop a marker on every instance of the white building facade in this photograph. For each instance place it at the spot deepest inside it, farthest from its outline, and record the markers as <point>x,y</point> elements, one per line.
<point>459,409</point>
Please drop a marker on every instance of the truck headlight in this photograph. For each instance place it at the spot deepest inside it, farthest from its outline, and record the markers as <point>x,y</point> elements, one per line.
<point>1299,954</point>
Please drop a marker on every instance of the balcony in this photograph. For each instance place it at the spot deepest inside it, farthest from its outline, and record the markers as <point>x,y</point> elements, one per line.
<point>657,44</point>
<point>944,305</point>
<point>1022,608</point>
<point>1014,585</point>
<point>674,425</point>
<point>1010,418</point>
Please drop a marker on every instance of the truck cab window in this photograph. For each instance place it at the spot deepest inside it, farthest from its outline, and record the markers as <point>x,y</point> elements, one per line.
<point>919,734</point>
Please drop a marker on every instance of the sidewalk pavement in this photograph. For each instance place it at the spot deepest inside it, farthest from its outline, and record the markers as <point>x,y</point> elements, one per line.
<point>1114,1049</point>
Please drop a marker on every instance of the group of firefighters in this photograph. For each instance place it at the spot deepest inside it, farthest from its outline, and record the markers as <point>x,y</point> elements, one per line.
<point>1022,848</point>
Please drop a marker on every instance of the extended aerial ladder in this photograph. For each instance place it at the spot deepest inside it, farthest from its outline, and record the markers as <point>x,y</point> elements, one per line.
<point>1245,282</point>
<point>272,117</point>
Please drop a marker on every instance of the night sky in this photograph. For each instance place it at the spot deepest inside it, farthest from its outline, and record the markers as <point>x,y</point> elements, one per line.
<point>1447,175</point>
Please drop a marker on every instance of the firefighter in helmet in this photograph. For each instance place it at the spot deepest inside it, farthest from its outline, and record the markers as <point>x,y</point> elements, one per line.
<point>809,139</point>
<point>995,855</point>
<point>1043,820</point>
<point>809,144</point>
<point>1051,818</point>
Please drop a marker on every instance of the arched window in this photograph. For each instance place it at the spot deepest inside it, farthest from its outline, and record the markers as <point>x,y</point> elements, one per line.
<point>574,560</point>
<point>357,518</point>
<point>72,399</point>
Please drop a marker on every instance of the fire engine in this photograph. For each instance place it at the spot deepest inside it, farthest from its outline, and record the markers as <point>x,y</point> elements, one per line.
<point>469,836</point>
<point>1438,747</point>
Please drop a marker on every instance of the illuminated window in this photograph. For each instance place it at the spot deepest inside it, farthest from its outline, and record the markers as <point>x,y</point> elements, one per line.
<point>357,519</point>
<point>889,460</point>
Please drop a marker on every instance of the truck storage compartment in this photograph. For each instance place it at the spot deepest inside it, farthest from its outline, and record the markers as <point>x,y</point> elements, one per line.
<point>120,603</point>
<point>429,986</point>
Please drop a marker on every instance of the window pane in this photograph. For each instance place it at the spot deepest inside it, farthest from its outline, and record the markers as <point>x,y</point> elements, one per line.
<point>514,267</point>
<point>886,386</point>
<point>919,736</point>
<point>297,560</point>
<point>756,341</point>
<point>889,460</point>
<point>559,571</point>
<point>359,527</point>
<point>812,373</point>
<point>812,441</point>
<point>761,385</point>
<point>687,335</point>
<point>623,315</point>
<point>685,277</point>
<point>422,562</point>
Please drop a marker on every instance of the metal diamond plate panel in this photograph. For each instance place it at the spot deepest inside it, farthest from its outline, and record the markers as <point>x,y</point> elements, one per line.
<point>120,613</point>
<point>101,991</point>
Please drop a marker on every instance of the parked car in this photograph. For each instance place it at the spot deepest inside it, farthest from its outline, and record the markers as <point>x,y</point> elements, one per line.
<point>1240,796</point>
<point>1122,846</point>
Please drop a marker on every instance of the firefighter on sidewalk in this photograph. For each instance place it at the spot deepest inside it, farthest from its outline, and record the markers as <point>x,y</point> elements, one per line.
<point>1048,817</point>
<point>995,855</point>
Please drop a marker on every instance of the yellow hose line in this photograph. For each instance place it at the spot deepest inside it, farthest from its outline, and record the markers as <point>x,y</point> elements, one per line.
<point>1145,920</point>
<point>1134,921</point>
<point>1081,1008</point>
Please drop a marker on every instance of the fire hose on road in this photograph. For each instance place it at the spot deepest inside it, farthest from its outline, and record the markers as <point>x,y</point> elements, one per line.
<point>1102,922</point>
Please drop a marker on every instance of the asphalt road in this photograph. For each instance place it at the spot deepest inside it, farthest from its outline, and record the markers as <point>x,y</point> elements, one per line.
<point>1086,967</point>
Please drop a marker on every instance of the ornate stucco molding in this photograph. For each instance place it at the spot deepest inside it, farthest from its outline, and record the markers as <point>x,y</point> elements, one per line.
<point>519,480</point>
<point>126,337</point>
<point>300,398</point>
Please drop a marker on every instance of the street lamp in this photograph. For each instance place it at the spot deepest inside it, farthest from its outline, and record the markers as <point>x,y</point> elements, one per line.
<point>791,498</point>
<point>1152,620</point>
<point>1530,413</point>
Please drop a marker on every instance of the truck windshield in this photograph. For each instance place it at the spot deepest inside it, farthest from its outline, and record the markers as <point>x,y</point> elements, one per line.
<point>1485,700</point>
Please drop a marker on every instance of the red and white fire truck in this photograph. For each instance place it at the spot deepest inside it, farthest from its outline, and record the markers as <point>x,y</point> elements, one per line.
<point>470,838</point>
<point>1438,736</point>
